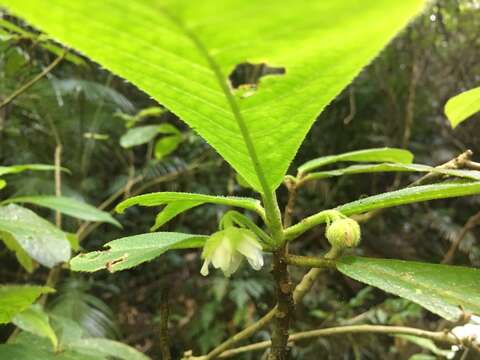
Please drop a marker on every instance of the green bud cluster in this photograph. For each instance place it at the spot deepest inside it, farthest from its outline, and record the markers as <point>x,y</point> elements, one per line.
<point>343,233</point>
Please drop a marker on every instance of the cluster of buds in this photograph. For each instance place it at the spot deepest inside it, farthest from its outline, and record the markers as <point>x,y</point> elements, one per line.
<point>342,232</point>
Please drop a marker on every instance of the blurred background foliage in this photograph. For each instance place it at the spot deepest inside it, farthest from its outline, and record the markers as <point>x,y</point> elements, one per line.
<point>396,101</point>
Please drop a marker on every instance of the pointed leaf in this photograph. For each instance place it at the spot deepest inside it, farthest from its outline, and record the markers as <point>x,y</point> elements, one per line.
<point>106,348</point>
<point>392,155</point>
<point>392,167</point>
<point>409,195</point>
<point>36,236</point>
<point>139,135</point>
<point>131,251</point>
<point>462,106</point>
<point>182,52</point>
<point>14,169</point>
<point>444,290</point>
<point>172,210</point>
<point>67,206</point>
<point>36,321</point>
<point>16,298</point>
<point>165,198</point>
<point>389,199</point>
<point>166,145</point>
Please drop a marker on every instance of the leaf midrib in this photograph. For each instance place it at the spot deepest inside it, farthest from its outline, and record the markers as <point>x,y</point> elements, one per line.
<point>228,95</point>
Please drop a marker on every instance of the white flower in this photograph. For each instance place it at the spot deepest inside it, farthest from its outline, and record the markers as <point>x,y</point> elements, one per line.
<point>470,332</point>
<point>225,250</point>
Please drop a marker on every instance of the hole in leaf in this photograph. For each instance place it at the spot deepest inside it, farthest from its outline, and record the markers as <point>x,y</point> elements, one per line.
<point>248,74</point>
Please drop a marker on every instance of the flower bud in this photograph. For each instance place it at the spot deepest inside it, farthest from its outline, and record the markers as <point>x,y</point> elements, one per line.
<point>226,249</point>
<point>343,233</point>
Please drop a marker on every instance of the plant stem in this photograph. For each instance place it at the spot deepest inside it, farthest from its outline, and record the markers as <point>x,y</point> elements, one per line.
<point>309,261</point>
<point>439,336</point>
<point>283,315</point>
<point>300,291</point>
<point>33,81</point>
<point>470,224</point>
<point>164,314</point>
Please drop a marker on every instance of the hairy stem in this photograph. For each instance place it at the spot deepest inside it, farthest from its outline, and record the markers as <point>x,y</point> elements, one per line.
<point>283,315</point>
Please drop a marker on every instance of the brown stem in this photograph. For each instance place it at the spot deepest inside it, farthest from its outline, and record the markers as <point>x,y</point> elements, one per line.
<point>283,316</point>
<point>32,82</point>
<point>164,314</point>
<point>439,336</point>
<point>470,224</point>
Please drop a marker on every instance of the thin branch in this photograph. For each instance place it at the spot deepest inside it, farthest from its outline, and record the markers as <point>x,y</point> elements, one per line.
<point>438,336</point>
<point>32,82</point>
<point>309,261</point>
<point>164,314</point>
<point>470,224</point>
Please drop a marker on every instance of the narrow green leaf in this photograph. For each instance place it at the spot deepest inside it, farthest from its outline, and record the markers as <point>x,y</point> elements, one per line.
<point>36,321</point>
<point>172,210</point>
<point>14,169</point>
<point>166,145</point>
<point>106,348</point>
<point>22,256</point>
<point>16,298</point>
<point>67,206</point>
<point>130,251</point>
<point>165,198</point>
<point>189,48</point>
<point>462,106</point>
<point>392,167</point>
<point>386,200</point>
<point>445,290</point>
<point>392,155</point>
<point>3,183</point>
<point>410,195</point>
<point>41,240</point>
<point>139,135</point>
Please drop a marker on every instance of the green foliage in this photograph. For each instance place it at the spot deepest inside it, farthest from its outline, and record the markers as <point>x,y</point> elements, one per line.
<point>130,251</point>
<point>67,206</point>
<point>390,155</point>
<point>391,167</point>
<point>462,106</point>
<point>409,195</point>
<point>37,237</point>
<point>17,298</point>
<point>36,321</point>
<point>445,290</point>
<point>239,128</point>
<point>177,203</point>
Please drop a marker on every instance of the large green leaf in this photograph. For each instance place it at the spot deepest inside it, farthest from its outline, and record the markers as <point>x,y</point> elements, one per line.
<point>391,155</point>
<point>36,236</point>
<point>36,321</point>
<point>445,290</point>
<point>67,206</point>
<point>16,298</point>
<point>391,167</point>
<point>182,52</point>
<point>177,203</point>
<point>130,251</point>
<point>462,106</point>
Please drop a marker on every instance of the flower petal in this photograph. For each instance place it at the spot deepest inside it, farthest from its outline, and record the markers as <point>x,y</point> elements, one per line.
<point>204,270</point>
